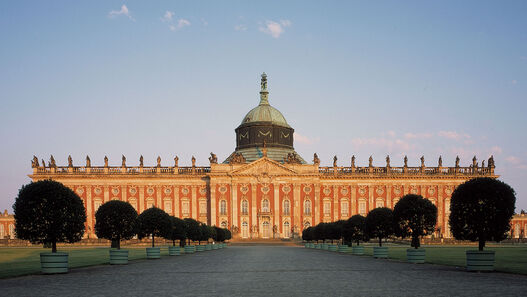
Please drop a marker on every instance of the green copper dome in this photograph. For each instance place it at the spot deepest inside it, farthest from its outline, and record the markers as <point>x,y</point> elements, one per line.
<point>264,112</point>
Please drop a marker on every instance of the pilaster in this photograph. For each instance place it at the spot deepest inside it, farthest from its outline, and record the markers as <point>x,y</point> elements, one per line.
<point>89,217</point>
<point>254,208</point>
<point>297,207</point>
<point>336,203</point>
<point>276,200</point>
<point>316,203</point>
<point>141,198</point>
<point>176,202</point>
<point>123,194</point>
<point>389,196</point>
<point>159,202</point>
<point>234,204</point>
<point>353,201</point>
<point>371,203</point>
<point>194,203</point>
<point>106,194</point>
<point>212,204</point>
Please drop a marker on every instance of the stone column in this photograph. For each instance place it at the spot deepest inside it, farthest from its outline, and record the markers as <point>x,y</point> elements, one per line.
<point>106,194</point>
<point>89,213</point>
<point>194,203</point>
<point>353,201</point>
<point>389,196</point>
<point>254,208</point>
<point>440,208</point>
<point>159,202</point>
<point>277,201</point>
<point>336,204</point>
<point>234,204</point>
<point>212,204</point>
<point>124,193</point>
<point>406,189</point>
<point>371,202</point>
<point>297,206</point>
<point>176,202</point>
<point>141,198</point>
<point>316,207</point>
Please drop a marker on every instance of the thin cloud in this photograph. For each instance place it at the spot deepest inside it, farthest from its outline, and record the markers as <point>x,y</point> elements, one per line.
<point>516,162</point>
<point>173,25</point>
<point>410,135</point>
<point>275,29</point>
<point>124,11</point>
<point>453,135</point>
<point>204,22</point>
<point>240,27</point>
<point>304,139</point>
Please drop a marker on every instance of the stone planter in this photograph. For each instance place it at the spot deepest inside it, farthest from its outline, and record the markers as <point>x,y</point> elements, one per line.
<point>306,245</point>
<point>318,246</point>
<point>415,256</point>
<point>208,247</point>
<point>54,262</point>
<point>332,248</point>
<point>480,260</point>
<point>215,246</point>
<point>380,252</point>
<point>153,253</point>
<point>174,251</point>
<point>118,257</point>
<point>190,249</point>
<point>343,248</point>
<point>200,248</point>
<point>357,250</point>
<point>325,246</point>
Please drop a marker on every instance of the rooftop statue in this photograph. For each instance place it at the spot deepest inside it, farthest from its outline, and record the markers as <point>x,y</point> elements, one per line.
<point>405,161</point>
<point>193,161</point>
<point>123,161</point>
<point>422,161</point>
<point>141,161</point>
<point>34,162</point>
<point>52,162</point>
<point>457,161</point>
<point>176,161</point>
<point>483,164</point>
<point>491,161</point>
<point>237,158</point>
<point>316,160</point>
<point>440,162</point>
<point>43,163</point>
<point>388,161</point>
<point>105,161</point>
<point>292,158</point>
<point>353,161</point>
<point>474,161</point>
<point>370,161</point>
<point>158,161</point>
<point>264,82</point>
<point>70,161</point>
<point>88,161</point>
<point>213,159</point>
<point>335,161</point>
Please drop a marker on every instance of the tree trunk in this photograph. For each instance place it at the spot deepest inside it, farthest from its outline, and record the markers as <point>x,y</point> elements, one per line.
<point>380,241</point>
<point>415,242</point>
<point>358,243</point>
<point>481,244</point>
<point>54,247</point>
<point>173,243</point>
<point>118,242</point>
<point>153,240</point>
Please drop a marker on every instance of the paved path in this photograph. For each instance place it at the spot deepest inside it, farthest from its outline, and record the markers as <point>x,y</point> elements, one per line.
<point>267,271</point>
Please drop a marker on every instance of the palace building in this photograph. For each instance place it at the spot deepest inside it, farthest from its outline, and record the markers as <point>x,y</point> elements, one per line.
<point>264,189</point>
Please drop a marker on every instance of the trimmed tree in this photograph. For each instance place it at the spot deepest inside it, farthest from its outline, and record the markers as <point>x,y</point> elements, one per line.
<point>154,222</point>
<point>116,220</point>
<point>379,223</point>
<point>228,234</point>
<point>321,232</point>
<point>414,216</point>
<point>307,234</point>
<point>193,230</point>
<point>48,212</point>
<point>219,234</point>
<point>178,231</point>
<point>354,229</point>
<point>204,233</point>
<point>481,210</point>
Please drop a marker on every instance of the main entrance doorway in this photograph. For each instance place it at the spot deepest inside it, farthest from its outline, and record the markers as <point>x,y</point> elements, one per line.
<point>266,232</point>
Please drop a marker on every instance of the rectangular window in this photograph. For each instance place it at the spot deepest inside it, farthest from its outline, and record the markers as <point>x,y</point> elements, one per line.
<point>344,209</point>
<point>184,207</point>
<point>362,207</point>
<point>168,206</point>
<point>203,207</point>
<point>327,208</point>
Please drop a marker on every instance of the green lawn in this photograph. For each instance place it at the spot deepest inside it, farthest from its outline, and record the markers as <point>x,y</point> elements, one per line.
<point>511,259</point>
<point>22,261</point>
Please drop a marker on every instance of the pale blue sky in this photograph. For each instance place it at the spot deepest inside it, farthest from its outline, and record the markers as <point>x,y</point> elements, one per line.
<point>171,77</point>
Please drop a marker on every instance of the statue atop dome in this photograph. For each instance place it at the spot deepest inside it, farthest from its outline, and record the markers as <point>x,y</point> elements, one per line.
<point>264,82</point>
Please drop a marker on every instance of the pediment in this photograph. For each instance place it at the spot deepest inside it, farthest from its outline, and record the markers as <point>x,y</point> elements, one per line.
<point>264,166</point>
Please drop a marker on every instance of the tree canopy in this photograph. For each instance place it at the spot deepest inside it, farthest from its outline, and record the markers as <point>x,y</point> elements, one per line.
<point>154,222</point>
<point>414,216</point>
<point>193,229</point>
<point>48,212</point>
<point>379,223</point>
<point>116,220</point>
<point>178,231</point>
<point>354,229</point>
<point>481,210</point>
<point>307,234</point>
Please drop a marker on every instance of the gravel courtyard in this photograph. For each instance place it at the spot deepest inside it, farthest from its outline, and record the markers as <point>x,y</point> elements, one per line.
<point>267,271</point>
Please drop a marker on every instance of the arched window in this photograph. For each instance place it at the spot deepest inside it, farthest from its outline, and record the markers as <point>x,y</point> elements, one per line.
<point>517,230</point>
<point>167,204</point>
<point>307,224</point>
<point>362,207</point>
<point>150,203</point>
<point>2,232</point>
<point>223,207</point>
<point>265,205</point>
<point>224,224</point>
<point>245,207</point>
<point>185,208</point>
<point>286,207</point>
<point>307,207</point>
<point>133,202</point>
<point>379,203</point>
<point>11,231</point>
<point>344,208</point>
<point>287,230</point>
<point>327,208</point>
<point>245,230</point>
<point>202,207</point>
